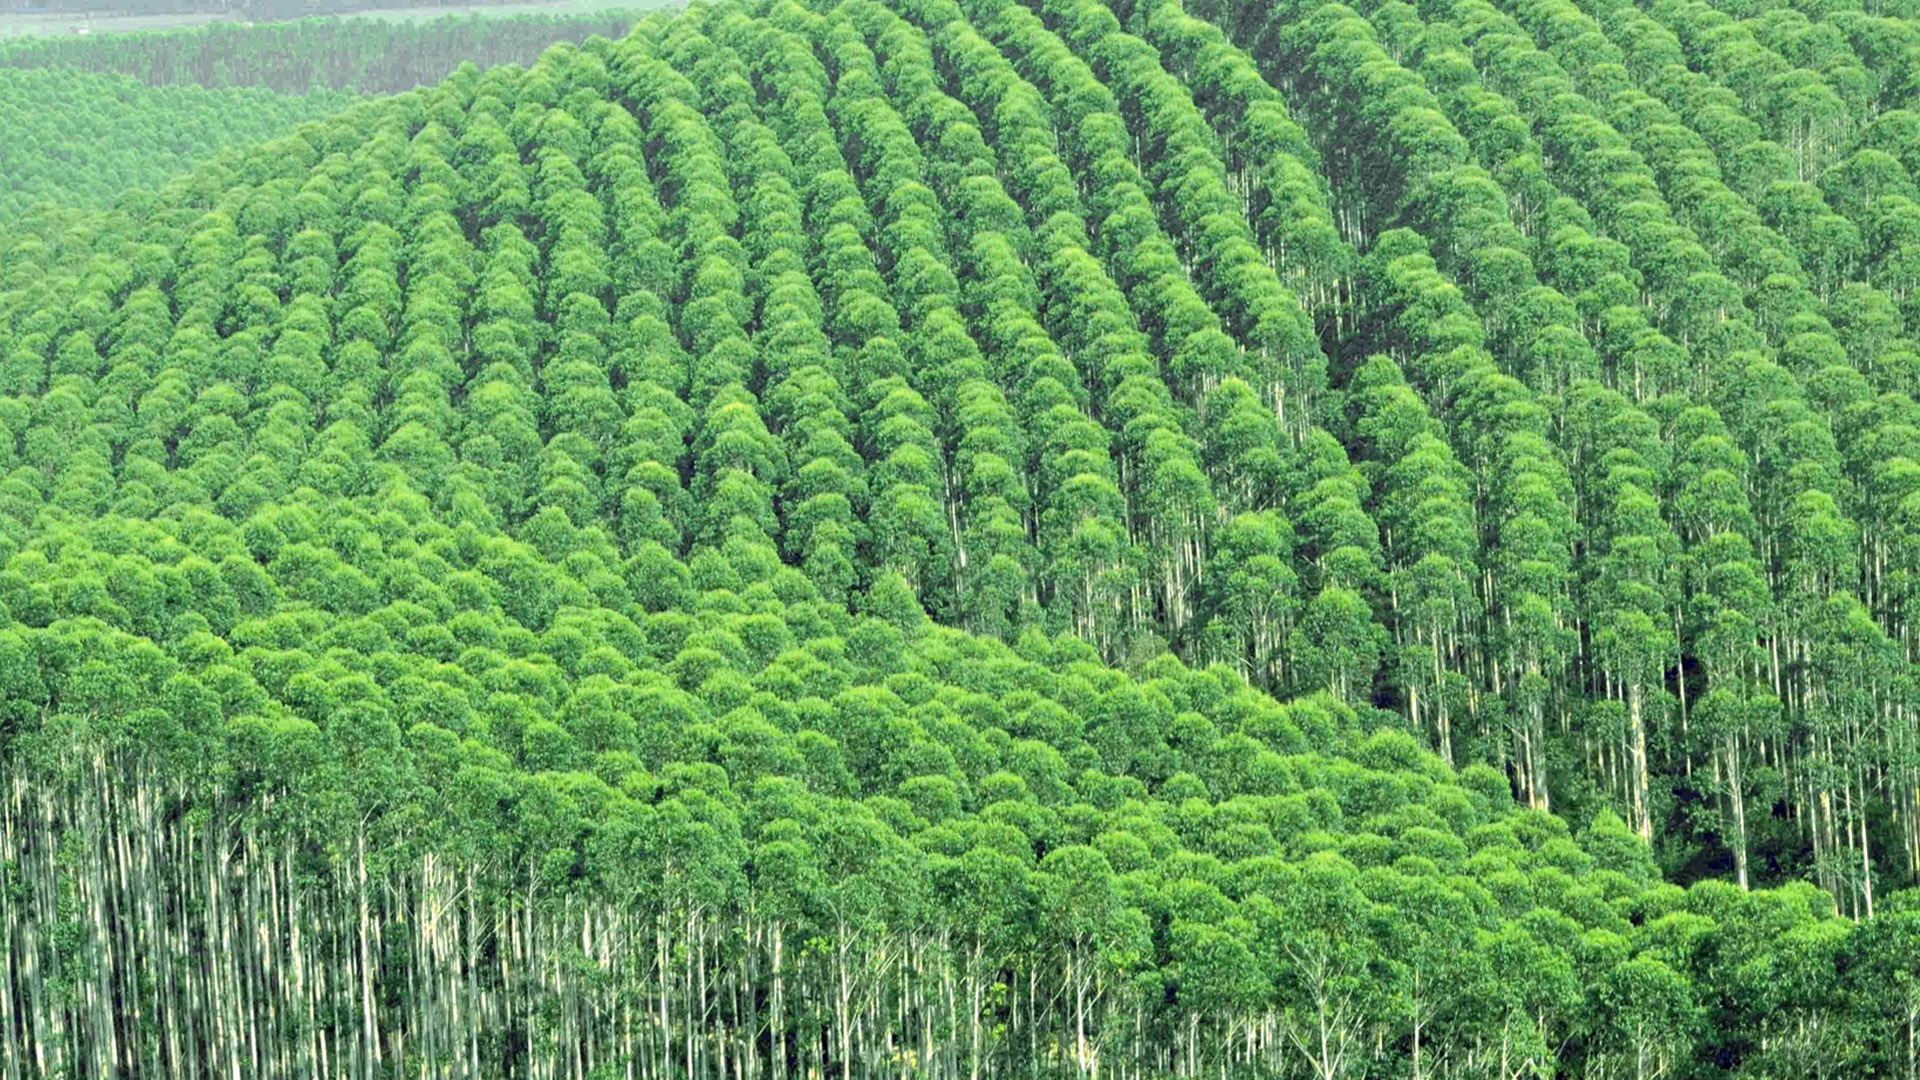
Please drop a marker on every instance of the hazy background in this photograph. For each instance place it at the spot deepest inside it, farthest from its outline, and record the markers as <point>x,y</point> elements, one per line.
<point>111,16</point>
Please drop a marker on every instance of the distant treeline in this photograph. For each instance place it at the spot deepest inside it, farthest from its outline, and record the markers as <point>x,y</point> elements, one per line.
<point>225,7</point>
<point>294,57</point>
<point>83,138</point>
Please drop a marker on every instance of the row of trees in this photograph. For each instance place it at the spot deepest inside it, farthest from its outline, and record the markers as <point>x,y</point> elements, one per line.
<point>1713,511</point>
<point>1648,257</point>
<point>1871,347</point>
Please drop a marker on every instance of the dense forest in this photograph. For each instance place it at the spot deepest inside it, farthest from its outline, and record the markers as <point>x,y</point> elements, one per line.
<point>109,11</point>
<point>371,56</point>
<point>987,539</point>
<point>85,119</point>
<point>73,138</point>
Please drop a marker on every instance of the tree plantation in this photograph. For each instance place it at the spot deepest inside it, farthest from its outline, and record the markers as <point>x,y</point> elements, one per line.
<point>70,138</point>
<point>976,540</point>
<point>77,130</point>
<point>367,55</point>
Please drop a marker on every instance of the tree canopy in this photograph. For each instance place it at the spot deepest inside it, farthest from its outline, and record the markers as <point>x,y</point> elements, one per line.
<point>366,55</point>
<point>973,538</point>
<point>70,138</point>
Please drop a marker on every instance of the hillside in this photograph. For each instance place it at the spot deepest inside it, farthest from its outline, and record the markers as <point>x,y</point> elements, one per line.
<point>986,540</point>
<point>372,55</point>
<point>74,139</point>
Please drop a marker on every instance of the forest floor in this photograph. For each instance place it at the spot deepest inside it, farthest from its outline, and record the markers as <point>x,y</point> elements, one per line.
<point>16,23</point>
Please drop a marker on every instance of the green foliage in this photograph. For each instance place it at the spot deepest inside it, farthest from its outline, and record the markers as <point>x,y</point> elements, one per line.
<point>979,538</point>
<point>74,139</point>
<point>365,55</point>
